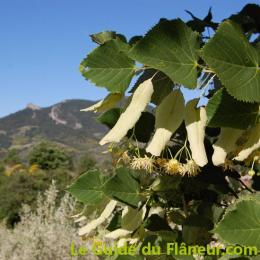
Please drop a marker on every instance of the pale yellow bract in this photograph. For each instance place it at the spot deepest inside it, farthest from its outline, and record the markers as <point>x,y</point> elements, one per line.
<point>168,117</point>
<point>252,144</point>
<point>225,144</point>
<point>96,222</point>
<point>118,233</point>
<point>108,102</point>
<point>127,120</point>
<point>195,121</point>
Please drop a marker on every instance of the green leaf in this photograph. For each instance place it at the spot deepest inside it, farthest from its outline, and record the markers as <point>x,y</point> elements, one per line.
<point>241,224</point>
<point>129,257</point>
<point>168,236</point>
<point>88,188</point>
<point>162,85</point>
<point>102,37</point>
<point>199,25</point>
<point>176,217</point>
<point>165,183</point>
<point>171,47</point>
<point>115,222</point>
<point>110,117</point>
<point>225,111</point>
<point>123,187</point>
<point>156,223</point>
<point>235,62</point>
<point>144,127</point>
<point>195,230</point>
<point>132,218</point>
<point>109,66</point>
<point>248,18</point>
<point>183,257</point>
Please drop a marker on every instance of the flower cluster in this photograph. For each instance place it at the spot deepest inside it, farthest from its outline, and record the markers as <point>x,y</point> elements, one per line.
<point>168,166</point>
<point>146,163</point>
<point>190,168</point>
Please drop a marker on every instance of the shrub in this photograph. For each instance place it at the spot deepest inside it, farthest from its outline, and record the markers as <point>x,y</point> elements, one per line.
<point>49,157</point>
<point>23,187</point>
<point>12,157</point>
<point>86,163</point>
<point>46,233</point>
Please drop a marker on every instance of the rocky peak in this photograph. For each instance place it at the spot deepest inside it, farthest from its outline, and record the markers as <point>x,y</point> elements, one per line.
<point>33,107</point>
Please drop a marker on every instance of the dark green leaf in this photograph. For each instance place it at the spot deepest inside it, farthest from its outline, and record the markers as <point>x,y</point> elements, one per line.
<point>176,217</point>
<point>235,62</point>
<point>171,47</point>
<point>88,188</point>
<point>109,66</point>
<point>248,18</point>
<point>200,25</point>
<point>123,187</point>
<point>210,211</point>
<point>225,111</point>
<point>165,183</point>
<point>115,223</point>
<point>195,230</point>
<point>110,117</point>
<point>144,127</point>
<point>168,236</point>
<point>156,223</point>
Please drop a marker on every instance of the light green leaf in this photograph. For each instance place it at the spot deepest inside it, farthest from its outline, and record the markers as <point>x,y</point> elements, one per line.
<point>132,218</point>
<point>241,224</point>
<point>108,66</point>
<point>235,61</point>
<point>88,188</point>
<point>102,37</point>
<point>123,187</point>
<point>171,47</point>
<point>225,111</point>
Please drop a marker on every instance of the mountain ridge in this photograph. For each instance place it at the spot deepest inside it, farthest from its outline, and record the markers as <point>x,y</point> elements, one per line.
<point>62,123</point>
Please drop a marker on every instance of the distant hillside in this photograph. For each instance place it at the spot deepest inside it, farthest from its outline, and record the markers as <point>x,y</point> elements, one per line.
<point>62,123</point>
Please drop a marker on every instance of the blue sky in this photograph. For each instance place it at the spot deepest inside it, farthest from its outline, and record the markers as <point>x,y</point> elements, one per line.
<point>43,42</point>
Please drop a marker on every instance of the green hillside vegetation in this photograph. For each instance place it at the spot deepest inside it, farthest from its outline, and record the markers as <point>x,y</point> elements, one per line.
<point>22,179</point>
